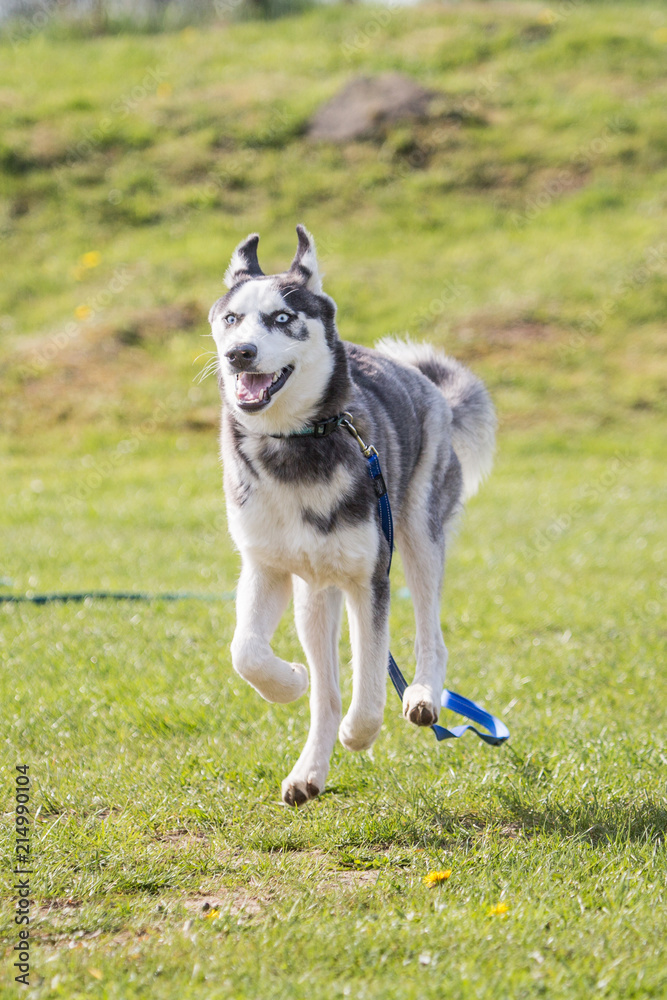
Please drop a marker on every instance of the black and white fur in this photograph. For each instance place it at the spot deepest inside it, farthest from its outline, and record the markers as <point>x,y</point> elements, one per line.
<point>303,511</point>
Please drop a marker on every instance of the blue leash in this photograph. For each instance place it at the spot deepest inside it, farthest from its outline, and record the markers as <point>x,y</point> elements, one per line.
<point>497,730</point>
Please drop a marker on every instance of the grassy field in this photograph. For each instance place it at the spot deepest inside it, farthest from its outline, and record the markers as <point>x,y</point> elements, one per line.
<point>523,229</point>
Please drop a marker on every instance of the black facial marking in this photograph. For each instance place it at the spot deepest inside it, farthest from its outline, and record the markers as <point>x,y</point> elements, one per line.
<point>296,328</point>
<point>301,300</point>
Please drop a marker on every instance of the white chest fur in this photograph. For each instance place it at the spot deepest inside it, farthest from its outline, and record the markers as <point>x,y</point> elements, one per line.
<point>295,527</point>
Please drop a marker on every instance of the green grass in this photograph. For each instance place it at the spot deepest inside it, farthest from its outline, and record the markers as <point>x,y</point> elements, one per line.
<point>523,231</point>
<point>157,772</point>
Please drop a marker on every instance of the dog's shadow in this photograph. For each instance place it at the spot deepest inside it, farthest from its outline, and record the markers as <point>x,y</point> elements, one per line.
<point>426,822</point>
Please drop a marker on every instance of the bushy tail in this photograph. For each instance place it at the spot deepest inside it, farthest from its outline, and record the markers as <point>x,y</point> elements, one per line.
<point>473,416</point>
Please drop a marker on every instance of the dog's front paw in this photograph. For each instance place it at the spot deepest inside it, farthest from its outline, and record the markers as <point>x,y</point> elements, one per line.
<point>358,732</point>
<point>419,705</point>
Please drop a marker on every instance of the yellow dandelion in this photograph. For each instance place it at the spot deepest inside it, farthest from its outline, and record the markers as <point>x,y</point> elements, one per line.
<point>164,90</point>
<point>499,910</point>
<point>82,312</point>
<point>433,878</point>
<point>212,915</point>
<point>90,259</point>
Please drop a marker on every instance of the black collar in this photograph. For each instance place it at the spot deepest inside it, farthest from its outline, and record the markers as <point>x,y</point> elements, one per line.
<point>318,429</point>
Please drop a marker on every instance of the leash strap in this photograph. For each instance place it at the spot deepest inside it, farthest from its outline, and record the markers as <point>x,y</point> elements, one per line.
<point>497,730</point>
<point>384,507</point>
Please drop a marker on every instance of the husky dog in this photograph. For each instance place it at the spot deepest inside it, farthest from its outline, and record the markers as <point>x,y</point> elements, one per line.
<point>302,509</point>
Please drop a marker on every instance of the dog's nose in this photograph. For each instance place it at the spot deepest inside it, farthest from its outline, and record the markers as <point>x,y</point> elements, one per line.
<point>242,356</point>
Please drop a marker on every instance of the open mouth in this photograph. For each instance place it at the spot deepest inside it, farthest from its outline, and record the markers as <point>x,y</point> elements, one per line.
<point>254,390</point>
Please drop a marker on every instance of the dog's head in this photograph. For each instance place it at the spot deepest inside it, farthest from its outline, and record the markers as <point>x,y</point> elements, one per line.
<point>276,339</point>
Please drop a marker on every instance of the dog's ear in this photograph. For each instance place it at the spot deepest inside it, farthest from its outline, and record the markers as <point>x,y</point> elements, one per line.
<point>304,267</point>
<point>244,263</point>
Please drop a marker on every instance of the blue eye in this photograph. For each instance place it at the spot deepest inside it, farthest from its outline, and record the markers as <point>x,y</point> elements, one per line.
<point>283,318</point>
<point>230,319</point>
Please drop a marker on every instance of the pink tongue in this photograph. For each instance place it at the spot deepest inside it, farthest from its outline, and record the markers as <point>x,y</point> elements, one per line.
<point>250,387</point>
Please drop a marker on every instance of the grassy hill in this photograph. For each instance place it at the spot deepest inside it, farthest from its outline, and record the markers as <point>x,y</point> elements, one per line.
<point>522,228</point>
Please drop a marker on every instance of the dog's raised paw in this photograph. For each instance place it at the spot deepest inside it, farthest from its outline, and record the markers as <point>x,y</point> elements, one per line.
<point>418,706</point>
<point>359,733</point>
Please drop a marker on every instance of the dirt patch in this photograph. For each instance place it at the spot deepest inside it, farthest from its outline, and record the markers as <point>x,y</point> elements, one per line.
<point>62,907</point>
<point>84,371</point>
<point>366,105</point>
<point>183,839</point>
<point>482,332</point>
<point>352,879</point>
<point>237,902</point>
<point>157,324</point>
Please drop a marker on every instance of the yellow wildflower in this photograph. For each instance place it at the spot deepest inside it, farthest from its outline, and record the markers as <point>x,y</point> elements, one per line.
<point>433,878</point>
<point>499,910</point>
<point>212,914</point>
<point>90,259</point>
<point>82,312</point>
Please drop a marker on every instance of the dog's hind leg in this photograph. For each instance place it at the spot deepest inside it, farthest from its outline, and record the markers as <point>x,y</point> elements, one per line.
<point>261,598</point>
<point>421,538</point>
<point>423,564</point>
<point>368,612</point>
<point>317,615</point>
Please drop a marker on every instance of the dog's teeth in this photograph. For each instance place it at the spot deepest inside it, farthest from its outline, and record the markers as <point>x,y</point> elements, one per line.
<point>275,377</point>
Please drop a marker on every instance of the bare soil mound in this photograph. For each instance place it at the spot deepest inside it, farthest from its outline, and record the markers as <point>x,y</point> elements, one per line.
<point>367,104</point>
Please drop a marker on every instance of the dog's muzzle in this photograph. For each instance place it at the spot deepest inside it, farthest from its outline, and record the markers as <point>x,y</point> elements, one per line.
<point>242,357</point>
